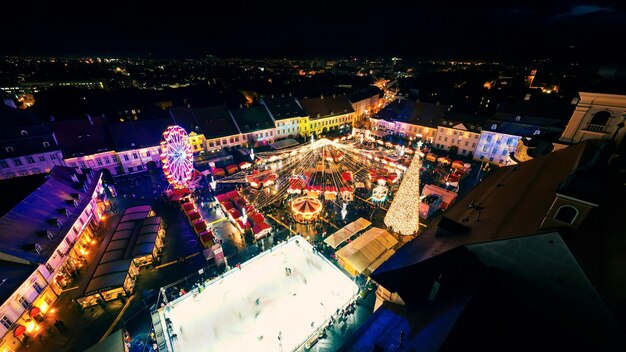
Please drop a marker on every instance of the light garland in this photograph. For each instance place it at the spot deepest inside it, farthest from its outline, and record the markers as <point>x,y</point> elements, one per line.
<point>323,160</point>
<point>403,214</point>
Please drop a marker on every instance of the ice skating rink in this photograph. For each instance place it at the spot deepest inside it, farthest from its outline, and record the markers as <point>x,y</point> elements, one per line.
<point>261,307</point>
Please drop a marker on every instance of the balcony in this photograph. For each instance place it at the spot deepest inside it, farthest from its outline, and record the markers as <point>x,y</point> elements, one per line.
<point>596,128</point>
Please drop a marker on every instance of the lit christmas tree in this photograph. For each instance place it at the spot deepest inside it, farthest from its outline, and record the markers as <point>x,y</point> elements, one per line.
<point>403,215</point>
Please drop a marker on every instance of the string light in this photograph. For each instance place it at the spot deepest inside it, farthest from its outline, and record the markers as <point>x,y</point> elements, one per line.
<point>318,167</point>
<point>403,214</point>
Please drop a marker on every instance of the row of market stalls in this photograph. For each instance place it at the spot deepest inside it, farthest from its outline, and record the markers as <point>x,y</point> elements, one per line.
<point>230,169</point>
<point>345,233</point>
<point>243,215</point>
<point>433,198</point>
<point>367,252</point>
<point>137,241</point>
<point>302,185</point>
<point>199,225</point>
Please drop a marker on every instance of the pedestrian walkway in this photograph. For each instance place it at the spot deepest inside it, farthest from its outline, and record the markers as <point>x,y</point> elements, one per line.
<point>176,261</point>
<point>329,223</point>
<point>369,202</point>
<point>281,223</point>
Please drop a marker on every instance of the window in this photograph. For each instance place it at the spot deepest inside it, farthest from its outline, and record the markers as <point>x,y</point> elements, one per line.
<point>46,144</point>
<point>445,139</point>
<point>494,126</point>
<point>130,169</point>
<point>4,164</point>
<point>9,149</point>
<point>6,322</point>
<point>37,287</point>
<point>489,138</point>
<point>600,118</point>
<point>42,158</point>
<point>567,214</point>
<point>491,159</point>
<point>17,162</point>
<point>24,133</point>
<point>148,152</point>
<point>126,157</point>
<point>53,157</point>
<point>107,160</point>
<point>99,161</point>
<point>504,152</point>
<point>23,302</point>
<point>30,159</point>
<point>536,132</point>
<point>82,165</point>
<point>473,145</point>
<point>439,137</point>
<point>466,143</point>
<point>463,151</point>
<point>135,156</point>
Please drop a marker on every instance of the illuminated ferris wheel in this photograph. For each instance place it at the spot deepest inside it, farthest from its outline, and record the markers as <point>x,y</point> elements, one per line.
<point>177,157</point>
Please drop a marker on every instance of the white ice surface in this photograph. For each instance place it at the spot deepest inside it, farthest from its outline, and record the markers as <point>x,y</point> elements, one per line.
<point>226,317</point>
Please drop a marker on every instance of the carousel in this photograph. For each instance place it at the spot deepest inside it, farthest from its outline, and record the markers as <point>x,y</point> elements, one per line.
<point>306,209</point>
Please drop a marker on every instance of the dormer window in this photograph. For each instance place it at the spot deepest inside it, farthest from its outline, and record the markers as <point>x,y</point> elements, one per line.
<point>493,127</point>
<point>9,149</point>
<point>518,118</point>
<point>600,118</point>
<point>46,144</point>
<point>536,132</point>
<point>24,133</point>
<point>566,214</point>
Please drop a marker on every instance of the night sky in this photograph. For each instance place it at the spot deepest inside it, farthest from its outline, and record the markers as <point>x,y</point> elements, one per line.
<point>488,29</point>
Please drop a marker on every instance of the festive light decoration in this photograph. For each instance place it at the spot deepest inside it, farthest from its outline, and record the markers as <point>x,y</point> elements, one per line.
<point>332,169</point>
<point>403,214</point>
<point>213,183</point>
<point>177,157</point>
<point>379,194</point>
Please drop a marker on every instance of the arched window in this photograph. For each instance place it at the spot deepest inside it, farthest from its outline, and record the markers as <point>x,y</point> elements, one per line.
<point>494,126</point>
<point>566,213</point>
<point>600,118</point>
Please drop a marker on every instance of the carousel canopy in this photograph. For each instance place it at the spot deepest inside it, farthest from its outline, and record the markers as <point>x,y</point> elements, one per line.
<point>306,205</point>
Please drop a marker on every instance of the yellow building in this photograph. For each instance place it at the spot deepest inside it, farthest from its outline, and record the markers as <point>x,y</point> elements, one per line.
<point>328,114</point>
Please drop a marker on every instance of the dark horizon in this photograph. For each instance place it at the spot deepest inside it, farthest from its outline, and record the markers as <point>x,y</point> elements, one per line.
<point>574,31</point>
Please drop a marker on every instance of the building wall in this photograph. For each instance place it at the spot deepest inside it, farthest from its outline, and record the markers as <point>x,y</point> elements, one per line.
<point>30,164</point>
<point>261,137</point>
<point>197,141</point>
<point>288,128</point>
<point>135,160</point>
<point>495,147</point>
<point>107,160</point>
<point>406,130</point>
<point>447,137</point>
<point>216,144</point>
<point>41,289</point>
<point>332,123</point>
<point>581,127</point>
